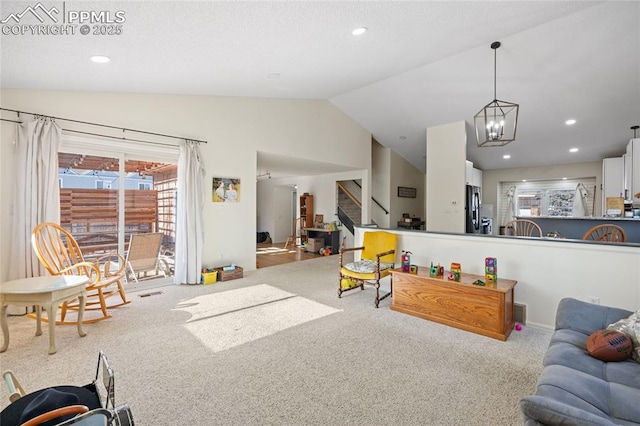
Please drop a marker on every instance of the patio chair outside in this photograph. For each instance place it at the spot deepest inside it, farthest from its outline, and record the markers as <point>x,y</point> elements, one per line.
<point>144,254</point>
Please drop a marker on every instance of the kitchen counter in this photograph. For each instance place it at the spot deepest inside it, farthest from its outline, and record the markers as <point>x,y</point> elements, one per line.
<point>602,218</point>
<point>575,227</point>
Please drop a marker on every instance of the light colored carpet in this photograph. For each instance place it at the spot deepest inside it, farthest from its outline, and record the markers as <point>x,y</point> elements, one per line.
<point>205,355</point>
<point>234,317</point>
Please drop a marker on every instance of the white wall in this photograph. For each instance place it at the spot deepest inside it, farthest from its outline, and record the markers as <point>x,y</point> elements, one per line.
<point>235,129</point>
<point>323,189</point>
<point>381,183</point>
<point>446,162</point>
<point>546,270</point>
<point>405,174</point>
<point>389,170</point>
<point>491,181</point>
<point>275,209</point>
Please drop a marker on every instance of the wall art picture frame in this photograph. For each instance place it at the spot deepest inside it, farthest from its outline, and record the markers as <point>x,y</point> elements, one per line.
<point>225,190</point>
<point>406,192</point>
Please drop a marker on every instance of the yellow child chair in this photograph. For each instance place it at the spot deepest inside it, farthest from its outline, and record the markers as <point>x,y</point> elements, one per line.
<point>377,259</point>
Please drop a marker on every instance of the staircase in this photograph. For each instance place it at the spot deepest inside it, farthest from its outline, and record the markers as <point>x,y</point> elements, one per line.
<point>349,208</point>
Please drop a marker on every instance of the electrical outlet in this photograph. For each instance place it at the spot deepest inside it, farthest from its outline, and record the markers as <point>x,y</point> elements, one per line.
<point>594,299</point>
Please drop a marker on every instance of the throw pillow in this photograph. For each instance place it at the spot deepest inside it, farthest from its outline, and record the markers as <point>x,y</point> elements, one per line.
<point>631,327</point>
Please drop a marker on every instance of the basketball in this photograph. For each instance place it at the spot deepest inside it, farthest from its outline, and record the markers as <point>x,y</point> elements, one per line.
<point>609,345</point>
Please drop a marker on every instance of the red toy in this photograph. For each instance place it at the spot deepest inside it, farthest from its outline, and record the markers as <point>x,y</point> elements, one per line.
<point>609,345</point>
<point>406,261</point>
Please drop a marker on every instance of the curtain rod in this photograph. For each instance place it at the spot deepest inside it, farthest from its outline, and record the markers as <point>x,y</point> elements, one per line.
<point>123,138</point>
<point>101,125</point>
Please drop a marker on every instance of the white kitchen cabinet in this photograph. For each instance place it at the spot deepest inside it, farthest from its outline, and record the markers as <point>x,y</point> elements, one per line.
<point>632,171</point>
<point>472,175</point>
<point>477,177</point>
<point>468,175</point>
<point>612,178</point>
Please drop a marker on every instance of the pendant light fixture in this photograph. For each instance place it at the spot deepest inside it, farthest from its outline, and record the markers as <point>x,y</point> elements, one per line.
<point>496,123</point>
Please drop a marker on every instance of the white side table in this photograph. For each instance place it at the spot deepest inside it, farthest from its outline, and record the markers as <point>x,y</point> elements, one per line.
<point>47,292</point>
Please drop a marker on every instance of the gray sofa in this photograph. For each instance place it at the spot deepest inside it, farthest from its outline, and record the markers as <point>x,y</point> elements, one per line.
<point>576,389</point>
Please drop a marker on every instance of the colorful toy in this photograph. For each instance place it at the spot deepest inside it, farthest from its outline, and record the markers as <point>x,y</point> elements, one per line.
<point>456,272</point>
<point>436,271</point>
<point>433,271</point>
<point>491,270</point>
<point>413,269</point>
<point>518,327</point>
<point>406,261</point>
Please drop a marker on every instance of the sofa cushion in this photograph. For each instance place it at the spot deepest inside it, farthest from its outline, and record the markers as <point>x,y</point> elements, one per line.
<point>540,410</point>
<point>581,391</point>
<point>575,388</point>
<point>572,337</point>
<point>586,317</point>
<point>625,372</point>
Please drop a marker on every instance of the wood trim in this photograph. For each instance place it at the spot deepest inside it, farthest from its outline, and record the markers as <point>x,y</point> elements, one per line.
<point>349,194</point>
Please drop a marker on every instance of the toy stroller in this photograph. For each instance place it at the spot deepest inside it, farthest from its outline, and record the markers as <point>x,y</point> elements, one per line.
<point>66,405</point>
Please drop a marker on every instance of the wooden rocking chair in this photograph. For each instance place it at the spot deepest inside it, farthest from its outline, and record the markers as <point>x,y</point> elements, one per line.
<point>59,253</point>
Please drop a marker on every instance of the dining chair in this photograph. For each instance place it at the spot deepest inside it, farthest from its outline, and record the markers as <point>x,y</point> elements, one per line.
<point>59,253</point>
<point>522,228</point>
<point>606,232</point>
<point>377,259</point>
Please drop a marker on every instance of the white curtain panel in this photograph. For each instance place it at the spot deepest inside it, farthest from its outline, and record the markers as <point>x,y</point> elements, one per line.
<point>189,215</point>
<point>36,196</point>
<point>580,201</point>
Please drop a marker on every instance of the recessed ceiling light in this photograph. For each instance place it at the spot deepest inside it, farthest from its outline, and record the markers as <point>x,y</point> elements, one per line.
<point>564,178</point>
<point>506,156</point>
<point>359,31</point>
<point>99,59</point>
<point>570,122</point>
<point>273,75</point>
<point>524,180</point>
<point>573,150</point>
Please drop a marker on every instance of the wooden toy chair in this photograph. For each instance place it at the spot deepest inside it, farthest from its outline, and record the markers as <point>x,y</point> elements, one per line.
<point>297,235</point>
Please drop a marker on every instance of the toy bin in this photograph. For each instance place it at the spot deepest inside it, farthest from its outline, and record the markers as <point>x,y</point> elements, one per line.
<point>229,274</point>
<point>209,277</point>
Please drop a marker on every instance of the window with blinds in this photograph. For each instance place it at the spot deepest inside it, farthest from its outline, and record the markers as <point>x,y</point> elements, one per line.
<point>555,197</point>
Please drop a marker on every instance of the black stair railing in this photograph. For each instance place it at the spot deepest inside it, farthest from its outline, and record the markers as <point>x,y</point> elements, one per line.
<point>373,199</point>
<point>347,222</point>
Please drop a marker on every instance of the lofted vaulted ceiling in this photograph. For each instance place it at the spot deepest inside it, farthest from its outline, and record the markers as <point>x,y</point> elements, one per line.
<point>420,64</point>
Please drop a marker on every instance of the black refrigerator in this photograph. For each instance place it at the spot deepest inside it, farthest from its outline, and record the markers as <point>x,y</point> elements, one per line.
<point>472,210</point>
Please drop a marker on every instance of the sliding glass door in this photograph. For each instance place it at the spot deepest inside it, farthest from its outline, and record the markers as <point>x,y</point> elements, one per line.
<point>89,201</point>
<point>106,199</point>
